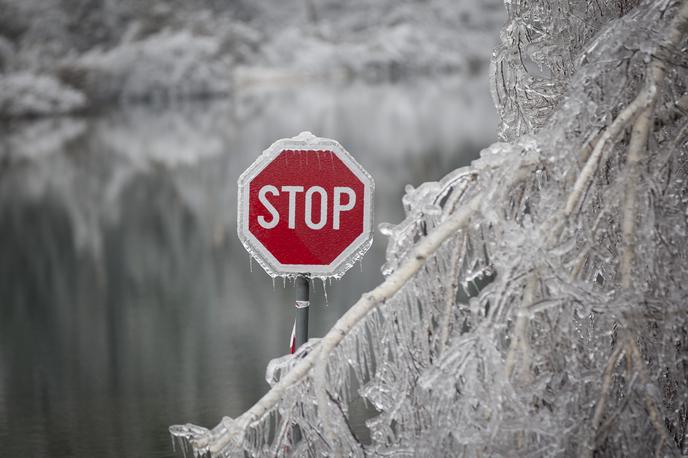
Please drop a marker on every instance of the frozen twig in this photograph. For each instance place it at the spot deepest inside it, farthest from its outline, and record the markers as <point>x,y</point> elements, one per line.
<point>608,136</point>
<point>457,255</point>
<point>638,144</point>
<point>601,406</point>
<point>673,109</point>
<point>589,145</point>
<point>639,136</point>
<point>415,260</point>
<point>628,347</point>
<point>657,422</point>
<point>458,252</point>
<point>641,104</point>
<point>624,118</point>
<point>585,252</point>
<point>518,337</point>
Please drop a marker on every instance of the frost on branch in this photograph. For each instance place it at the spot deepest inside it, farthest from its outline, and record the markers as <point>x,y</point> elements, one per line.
<point>535,302</point>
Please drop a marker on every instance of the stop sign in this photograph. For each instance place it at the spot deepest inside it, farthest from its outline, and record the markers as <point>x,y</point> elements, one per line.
<point>306,206</point>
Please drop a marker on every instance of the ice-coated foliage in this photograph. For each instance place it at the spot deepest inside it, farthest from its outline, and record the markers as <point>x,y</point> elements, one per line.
<point>535,302</point>
<point>162,66</point>
<point>162,50</point>
<point>542,47</point>
<point>27,94</point>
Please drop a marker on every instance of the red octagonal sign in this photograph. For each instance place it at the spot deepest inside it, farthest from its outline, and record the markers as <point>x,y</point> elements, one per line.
<point>306,206</point>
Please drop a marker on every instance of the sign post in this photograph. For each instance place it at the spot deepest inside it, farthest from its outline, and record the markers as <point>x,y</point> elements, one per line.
<point>305,210</point>
<point>302,306</point>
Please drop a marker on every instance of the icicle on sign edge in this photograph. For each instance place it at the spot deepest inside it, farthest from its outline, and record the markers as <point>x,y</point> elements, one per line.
<point>305,141</point>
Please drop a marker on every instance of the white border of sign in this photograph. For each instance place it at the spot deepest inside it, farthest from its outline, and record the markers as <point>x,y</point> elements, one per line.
<point>305,141</point>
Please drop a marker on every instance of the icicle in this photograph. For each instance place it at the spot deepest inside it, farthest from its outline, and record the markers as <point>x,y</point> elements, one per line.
<point>324,287</point>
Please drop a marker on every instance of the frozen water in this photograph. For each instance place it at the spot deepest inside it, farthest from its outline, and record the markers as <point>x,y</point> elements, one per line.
<point>531,330</point>
<point>113,176</point>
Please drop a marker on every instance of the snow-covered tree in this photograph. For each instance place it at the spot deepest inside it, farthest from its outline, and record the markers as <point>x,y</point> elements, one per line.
<point>534,302</point>
<point>165,50</point>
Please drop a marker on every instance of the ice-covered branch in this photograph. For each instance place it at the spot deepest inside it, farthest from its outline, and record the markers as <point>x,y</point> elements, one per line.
<point>639,136</point>
<point>415,260</point>
<point>600,407</point>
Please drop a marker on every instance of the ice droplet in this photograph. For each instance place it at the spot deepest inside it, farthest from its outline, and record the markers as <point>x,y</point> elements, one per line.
<point>324,287</point>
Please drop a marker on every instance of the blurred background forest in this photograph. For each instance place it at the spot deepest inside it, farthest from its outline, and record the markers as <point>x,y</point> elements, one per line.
<point>62,56</point>
<point>127,304</point>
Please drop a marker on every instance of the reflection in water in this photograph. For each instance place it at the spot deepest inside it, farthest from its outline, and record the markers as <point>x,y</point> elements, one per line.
<point>126,301</point>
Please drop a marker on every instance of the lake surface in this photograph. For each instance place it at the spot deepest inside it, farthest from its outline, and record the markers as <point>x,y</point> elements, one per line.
<point>127,303</point>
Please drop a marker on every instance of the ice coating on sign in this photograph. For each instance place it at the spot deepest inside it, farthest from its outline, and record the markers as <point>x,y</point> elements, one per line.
<point>306,206</point>
<point>299,243</point>
<point>553,322</point>
<point>306,137</point>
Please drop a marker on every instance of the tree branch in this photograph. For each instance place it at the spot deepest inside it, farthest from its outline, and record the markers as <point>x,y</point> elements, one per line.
<point>604,395</point>
<point>518,338</point>
<point>641,104</point>
<point>219,438</point>
<point>450,298</point>
<point>638,144</point>
<point>658,423</point>
<point>415,260</point>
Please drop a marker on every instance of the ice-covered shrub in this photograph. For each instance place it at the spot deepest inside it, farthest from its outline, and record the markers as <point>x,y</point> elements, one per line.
<point>381,40</point>
<point>162,49</point>
<point>535,302</point>
<point>28,94</point>
<point>163,66</point>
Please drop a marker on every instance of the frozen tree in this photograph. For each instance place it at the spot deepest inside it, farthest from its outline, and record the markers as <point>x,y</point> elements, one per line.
<point>166,50</point>
<point>160,67</point>
<point>535,302</point>
<point>27,94</point>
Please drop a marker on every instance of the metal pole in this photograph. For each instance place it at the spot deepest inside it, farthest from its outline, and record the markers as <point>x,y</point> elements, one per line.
<point>302,306</point>
<point>303,303</point>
